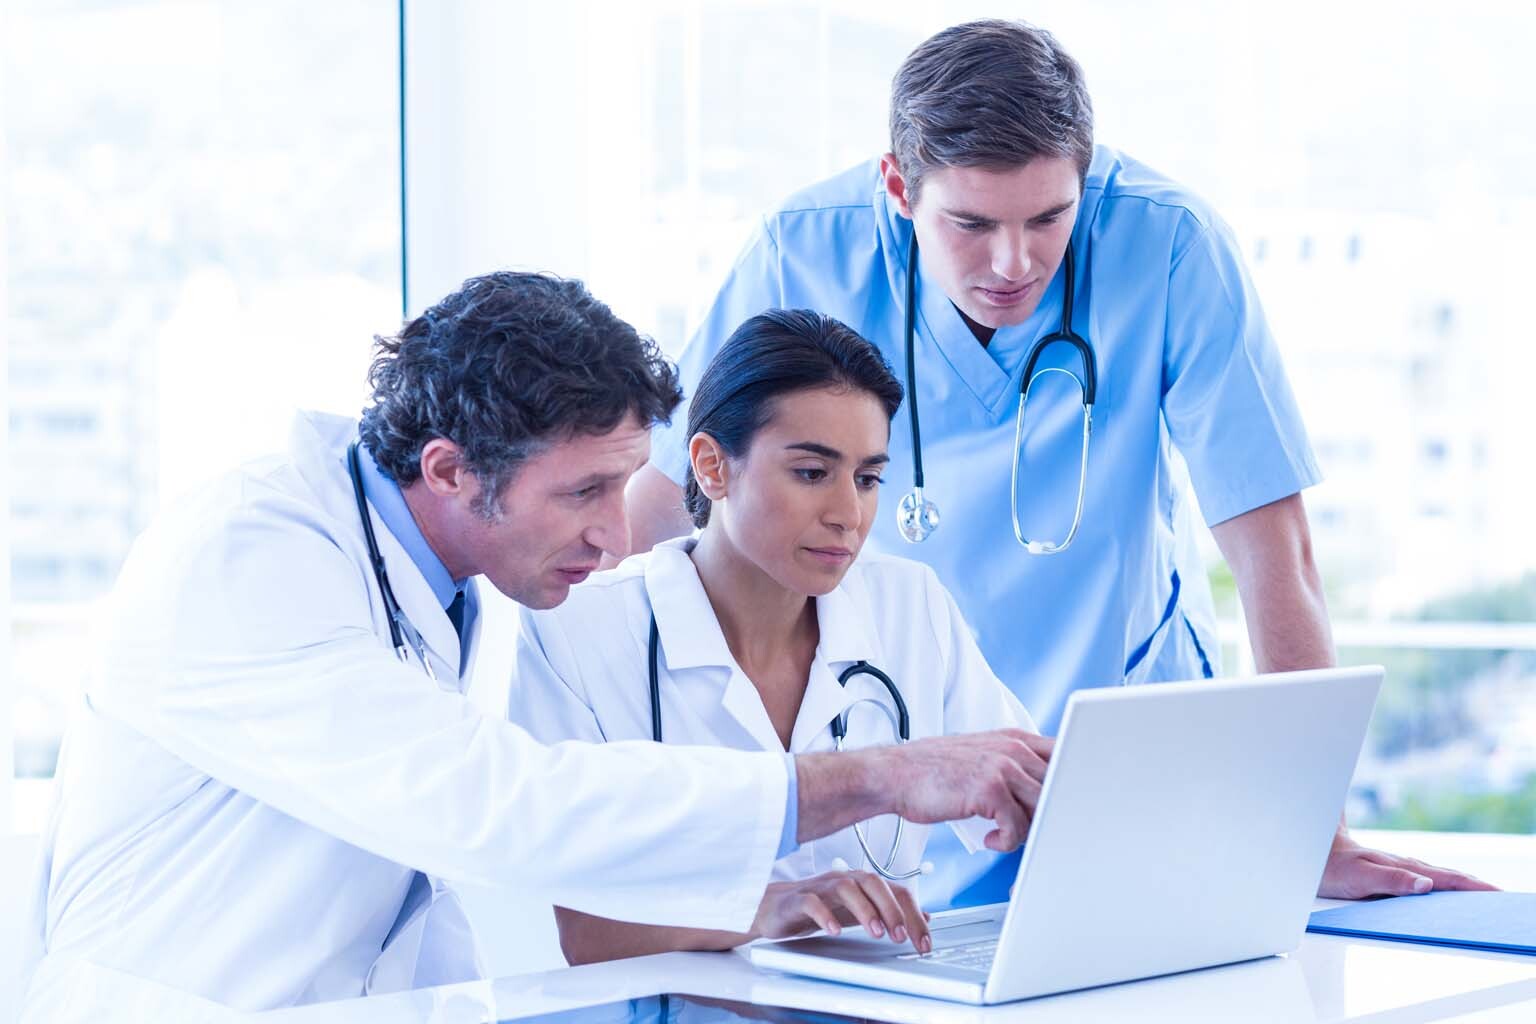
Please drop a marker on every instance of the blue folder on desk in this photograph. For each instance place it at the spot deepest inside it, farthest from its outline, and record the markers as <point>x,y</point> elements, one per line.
<point>1504,922</point>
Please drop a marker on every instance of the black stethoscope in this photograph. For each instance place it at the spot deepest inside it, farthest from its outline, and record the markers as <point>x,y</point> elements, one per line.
<point>401,633</point>
<point>901,724</point>
<point>916,516</point>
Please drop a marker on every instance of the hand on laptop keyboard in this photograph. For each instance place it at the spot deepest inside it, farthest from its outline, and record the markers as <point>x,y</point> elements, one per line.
<point>837,899</point>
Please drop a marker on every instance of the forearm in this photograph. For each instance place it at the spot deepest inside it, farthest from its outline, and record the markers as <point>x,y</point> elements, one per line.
<point>836,790</point>
<point>588,939</point>
<point>1270,553</point>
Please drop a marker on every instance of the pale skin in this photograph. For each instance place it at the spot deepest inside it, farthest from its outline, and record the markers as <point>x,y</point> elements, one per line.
<point>564,509</point>
<point>787,519</point>
<point>992,238</point>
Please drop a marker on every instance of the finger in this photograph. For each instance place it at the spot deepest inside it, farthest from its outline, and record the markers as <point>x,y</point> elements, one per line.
<point>813,907</point>
<point>1447,879</point>
<point>917,920</point>
<point>856,903</point>
<point>878,891</point>
<point>1372,879</point>
<point>1042,746</point>
<point>1003,806</point>
<point>1451,880</point>
<point>1026,790</point>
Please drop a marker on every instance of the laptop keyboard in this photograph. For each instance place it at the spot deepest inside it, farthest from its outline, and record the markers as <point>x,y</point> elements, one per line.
<point>976,956</point>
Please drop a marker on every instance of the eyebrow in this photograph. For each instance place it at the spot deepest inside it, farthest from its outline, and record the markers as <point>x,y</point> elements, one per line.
<point>591,480</point>
<point>1044,215</point>
<point>832,453</point>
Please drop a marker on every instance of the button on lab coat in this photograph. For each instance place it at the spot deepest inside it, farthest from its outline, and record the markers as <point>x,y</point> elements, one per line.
<point>255,780</point>
<point>582,674</point>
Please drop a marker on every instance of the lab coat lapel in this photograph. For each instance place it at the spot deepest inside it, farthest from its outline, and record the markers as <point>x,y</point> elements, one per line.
<point>319,450</point>
<point>691,638</point>
<point>419,603</point>
<point>846,637</point>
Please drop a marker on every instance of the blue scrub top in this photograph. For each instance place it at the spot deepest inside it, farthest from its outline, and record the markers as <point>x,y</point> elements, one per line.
<point>1185,360</point>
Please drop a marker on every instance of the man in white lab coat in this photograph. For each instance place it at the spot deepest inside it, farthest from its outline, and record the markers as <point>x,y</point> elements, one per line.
<point>274,779</point>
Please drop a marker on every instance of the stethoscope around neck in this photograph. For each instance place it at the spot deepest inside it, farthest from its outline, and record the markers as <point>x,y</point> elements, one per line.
<point>917,517</point>
<point>901,726</point>
<point>402,636</point>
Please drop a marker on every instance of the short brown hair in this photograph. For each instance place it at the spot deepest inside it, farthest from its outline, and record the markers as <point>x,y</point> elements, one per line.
<point>992,94</point>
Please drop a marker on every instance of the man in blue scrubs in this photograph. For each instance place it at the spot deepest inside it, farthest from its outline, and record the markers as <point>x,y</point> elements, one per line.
<point>994,176</point>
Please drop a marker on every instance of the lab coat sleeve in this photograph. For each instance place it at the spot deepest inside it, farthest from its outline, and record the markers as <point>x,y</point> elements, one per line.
<point>246,649</point>
<point>755,284</point>
<point>1226,400</point>
<point>975,700</point>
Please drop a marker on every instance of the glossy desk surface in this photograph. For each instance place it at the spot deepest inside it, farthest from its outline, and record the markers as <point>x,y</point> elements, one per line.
<point>1327,979</point>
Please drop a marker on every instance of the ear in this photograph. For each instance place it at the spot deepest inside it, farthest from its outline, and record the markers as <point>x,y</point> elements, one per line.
<point>442,468</point>
<point>710,467</point>
<point>895,184</point>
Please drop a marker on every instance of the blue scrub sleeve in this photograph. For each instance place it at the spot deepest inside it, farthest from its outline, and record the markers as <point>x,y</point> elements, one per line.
<point>788,844</point>
<point>1226,400</point>
<point>755,284</point>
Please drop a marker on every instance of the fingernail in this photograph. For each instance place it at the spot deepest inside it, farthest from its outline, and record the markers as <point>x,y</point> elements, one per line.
<point>899,933</point>
<point>926,945</point>
<point>875,929</point>
<point>1422,884</point>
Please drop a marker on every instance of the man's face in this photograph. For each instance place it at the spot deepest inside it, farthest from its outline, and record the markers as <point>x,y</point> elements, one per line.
<point>992,239</point>
<point>562,510</point>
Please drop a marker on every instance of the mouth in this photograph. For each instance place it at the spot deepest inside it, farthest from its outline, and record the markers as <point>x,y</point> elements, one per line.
<point>1002,298</point>
<point>831,557</point>
<point>575,575</point>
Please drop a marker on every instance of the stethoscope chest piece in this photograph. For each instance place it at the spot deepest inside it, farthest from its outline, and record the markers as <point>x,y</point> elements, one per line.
<point>916,516</point>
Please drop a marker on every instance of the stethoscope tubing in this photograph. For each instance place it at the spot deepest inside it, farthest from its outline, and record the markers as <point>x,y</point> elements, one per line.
<point>838,727</point>
<point>917,516</point>
<point>392,610</point>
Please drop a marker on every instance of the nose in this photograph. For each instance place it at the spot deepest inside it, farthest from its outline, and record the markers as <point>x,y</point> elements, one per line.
<point>844,509</point>
<point>609,533</point>
<point>1010,256</point>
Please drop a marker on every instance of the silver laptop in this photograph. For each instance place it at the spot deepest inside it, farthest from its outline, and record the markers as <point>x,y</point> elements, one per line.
<point>1182,825</point>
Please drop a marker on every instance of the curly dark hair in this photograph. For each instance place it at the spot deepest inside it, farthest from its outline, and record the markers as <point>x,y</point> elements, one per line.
<point>772,354</point>
<point>505,366</point>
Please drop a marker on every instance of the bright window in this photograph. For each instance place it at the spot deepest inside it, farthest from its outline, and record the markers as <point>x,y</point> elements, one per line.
<point>201,233</point>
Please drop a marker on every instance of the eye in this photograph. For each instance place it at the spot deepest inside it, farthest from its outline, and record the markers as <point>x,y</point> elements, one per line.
<point>869,481</point>
<point>811,474</point>
<point>586,492</point>
<point>972,226</point>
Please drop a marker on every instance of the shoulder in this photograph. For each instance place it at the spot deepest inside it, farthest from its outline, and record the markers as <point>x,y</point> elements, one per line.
<point>1124,192</point>
<point>597,613</point>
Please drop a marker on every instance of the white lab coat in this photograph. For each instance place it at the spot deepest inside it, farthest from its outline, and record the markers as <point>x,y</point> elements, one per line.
<point>582,673</point>
<point>255,779</point>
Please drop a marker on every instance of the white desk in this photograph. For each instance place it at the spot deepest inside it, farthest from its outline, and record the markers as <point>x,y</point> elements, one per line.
<point>1327,979</point>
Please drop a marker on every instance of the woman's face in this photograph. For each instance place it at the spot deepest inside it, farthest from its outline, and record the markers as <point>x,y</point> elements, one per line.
<point>800,501</point>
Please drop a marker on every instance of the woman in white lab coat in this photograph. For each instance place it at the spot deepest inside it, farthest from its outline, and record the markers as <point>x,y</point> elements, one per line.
<point>758,616</point>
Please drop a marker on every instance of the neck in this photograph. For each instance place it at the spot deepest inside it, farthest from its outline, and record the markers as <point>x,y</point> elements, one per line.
<point>760,618</point>
<point>434,528</point>
<point>982,332</point>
